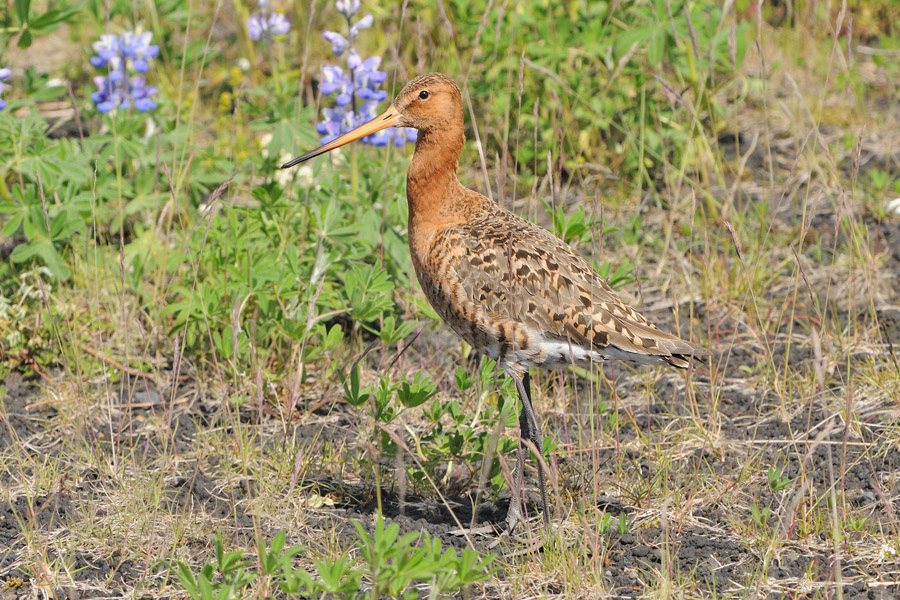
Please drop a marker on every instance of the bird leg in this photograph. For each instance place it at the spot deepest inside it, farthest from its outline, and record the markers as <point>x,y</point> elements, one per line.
<point>528,429</point>
<point>515,517</point>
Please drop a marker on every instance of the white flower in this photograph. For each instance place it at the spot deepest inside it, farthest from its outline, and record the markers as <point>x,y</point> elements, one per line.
<point>893,207</point>
<point>337,157</point>
<point>303,176</point>
<point>264,142</point>
<point>151,130</point>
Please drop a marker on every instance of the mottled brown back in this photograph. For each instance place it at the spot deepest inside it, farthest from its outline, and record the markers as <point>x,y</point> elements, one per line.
<point>495,272</point>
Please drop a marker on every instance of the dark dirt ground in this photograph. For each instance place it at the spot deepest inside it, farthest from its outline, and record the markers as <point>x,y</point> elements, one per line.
<point>707,538</point>
<point>716,478</point>
<point>709,546</point>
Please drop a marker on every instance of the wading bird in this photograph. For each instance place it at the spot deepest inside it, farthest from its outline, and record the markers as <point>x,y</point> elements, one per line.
<point>511,289</point>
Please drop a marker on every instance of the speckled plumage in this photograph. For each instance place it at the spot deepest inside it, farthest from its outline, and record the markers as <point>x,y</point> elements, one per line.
<point>508,287</point>
<point>516,292</point>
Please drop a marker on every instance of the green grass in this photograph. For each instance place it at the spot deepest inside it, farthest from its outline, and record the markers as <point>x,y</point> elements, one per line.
<point>198,355</point>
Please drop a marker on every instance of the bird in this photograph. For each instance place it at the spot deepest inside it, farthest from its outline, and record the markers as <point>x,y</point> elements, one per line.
<point>511,289</point>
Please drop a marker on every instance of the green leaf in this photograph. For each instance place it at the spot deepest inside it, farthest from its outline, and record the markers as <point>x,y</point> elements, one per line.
<point>187,577</point>
<point>638,35</point>
<point>13,224</point>
<point>206,589</point>
<point>22,9</point>
<point>417,392</point>
<point>355,395</point>
<point>47,93</point>
<point>334,337</point>
<point>656,47</point>
<point>44,250</point>
<point>25,39</point>
<point>51,19</point>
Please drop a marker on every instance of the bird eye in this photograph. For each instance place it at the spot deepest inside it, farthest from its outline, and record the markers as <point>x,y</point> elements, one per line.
<point>423,95</point>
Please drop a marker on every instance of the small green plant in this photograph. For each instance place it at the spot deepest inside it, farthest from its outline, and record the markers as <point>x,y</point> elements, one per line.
<point>760,516</point>
<point>452,438</point>
<point>463,380</point>
<point>879,180</point>
<point>223,579</point>
<point>388,563</point>
<point>777,480</point>
<point>27,25</point>
<point>391,330</point>
<point>857,524</point>
<point>622,276</point>
<point>606,521</point>
<point>569,228</point>
<point>393,563</point>
<point>612,420</point>
<point>623,524</point>
<point>26,339</point>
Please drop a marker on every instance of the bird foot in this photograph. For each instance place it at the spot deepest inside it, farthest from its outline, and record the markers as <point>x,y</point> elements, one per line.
<point>484,530</point>
<point>514,521</point>
<point>527,541</point>
<point>511,535</point>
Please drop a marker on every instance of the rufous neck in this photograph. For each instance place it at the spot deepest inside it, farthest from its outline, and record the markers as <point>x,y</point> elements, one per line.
<point>432,171</point>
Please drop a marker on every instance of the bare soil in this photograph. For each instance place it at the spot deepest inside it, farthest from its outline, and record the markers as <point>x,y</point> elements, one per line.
<point>687,464</point>
<point>705,534</point>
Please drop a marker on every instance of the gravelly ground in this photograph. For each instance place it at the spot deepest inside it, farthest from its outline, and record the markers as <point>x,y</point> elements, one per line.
<point>706,539</point>
<point>687,472</point>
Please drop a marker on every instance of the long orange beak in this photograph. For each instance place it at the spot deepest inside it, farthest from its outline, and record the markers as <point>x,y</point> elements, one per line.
<point>389,118</point>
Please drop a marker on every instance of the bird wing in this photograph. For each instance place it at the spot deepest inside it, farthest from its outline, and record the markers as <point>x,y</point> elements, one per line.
<point>516,271</point>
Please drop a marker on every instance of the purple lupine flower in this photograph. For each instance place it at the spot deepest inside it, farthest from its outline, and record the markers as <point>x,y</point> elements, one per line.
<point>279,24</point>
<point>140,95</point>
<point>265,26</point>
<point>337,121</point>
<point>354,60</point>
<point>107,49</point>
<point>367,112</point>
<point>347,8</point>
<point>109,95</point>
<point>138,49</point>
<point>369,78</point>
<point>337,41</point>
<point>399,136</point>
<point>335,79</point>
<point>123,58</point>
<point>106,97</point>
<point>357,86</point>
<point>363,23</point>
<point>4,75</point>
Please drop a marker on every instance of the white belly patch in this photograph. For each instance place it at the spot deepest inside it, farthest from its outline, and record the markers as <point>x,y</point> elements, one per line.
<point>556,354</point>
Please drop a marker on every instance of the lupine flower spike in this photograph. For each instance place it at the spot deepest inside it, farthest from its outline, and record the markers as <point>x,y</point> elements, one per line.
<point>4,75</point>
<point>125,59</point>
<point>356,85</point>
<point>266,24</point>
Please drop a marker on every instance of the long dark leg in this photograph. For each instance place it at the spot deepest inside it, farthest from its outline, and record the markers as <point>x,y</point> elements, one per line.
<point>515,516</point>
<point>528,429</point>
<point>528,426</point>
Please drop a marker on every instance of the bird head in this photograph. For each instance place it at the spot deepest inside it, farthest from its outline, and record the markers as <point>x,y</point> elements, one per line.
<point>428,102</point>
